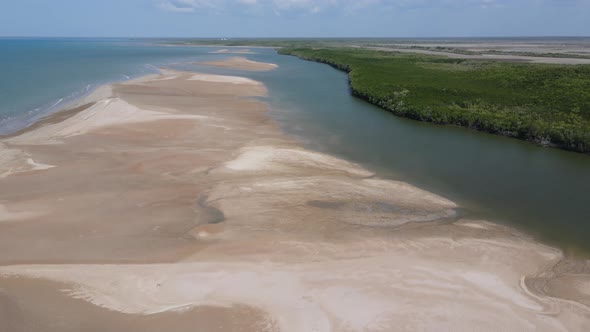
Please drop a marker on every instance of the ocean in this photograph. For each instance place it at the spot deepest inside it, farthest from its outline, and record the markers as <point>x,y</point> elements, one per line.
<point>40,75</point>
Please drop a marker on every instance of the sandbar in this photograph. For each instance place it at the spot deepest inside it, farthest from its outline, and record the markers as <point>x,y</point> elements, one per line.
<point>235,50</point>
<point>242,64</point>
<point>177,203</point>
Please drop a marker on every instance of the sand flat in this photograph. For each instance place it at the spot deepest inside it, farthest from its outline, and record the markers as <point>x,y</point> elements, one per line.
<point>241,63</point>
<point>234,50</point>
<point>222,79</point>
<point>177,202</point>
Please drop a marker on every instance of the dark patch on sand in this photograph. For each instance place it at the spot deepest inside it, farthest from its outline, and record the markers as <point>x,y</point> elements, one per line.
<point>52,118</point>
<point>211,215</point>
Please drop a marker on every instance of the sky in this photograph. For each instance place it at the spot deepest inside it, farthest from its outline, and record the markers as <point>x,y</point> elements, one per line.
<point>294,18</point>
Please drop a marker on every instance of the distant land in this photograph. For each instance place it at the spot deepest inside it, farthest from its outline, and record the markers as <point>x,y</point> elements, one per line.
<point>532,88</point>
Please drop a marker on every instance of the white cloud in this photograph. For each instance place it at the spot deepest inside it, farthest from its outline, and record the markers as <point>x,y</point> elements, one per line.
<point>277,6</point>
<point>187,6</point>
<point>169,7</point>
<point>318,6</point>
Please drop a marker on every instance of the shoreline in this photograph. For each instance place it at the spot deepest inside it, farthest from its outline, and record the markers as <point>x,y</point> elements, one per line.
<point>127,171</point>
<point>449,116</point>
<point>90,96</point>
<point>102,91</point>
<point>52,118</point>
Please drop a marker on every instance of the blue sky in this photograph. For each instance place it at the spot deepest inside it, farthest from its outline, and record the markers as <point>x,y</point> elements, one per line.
<point>294,18</point>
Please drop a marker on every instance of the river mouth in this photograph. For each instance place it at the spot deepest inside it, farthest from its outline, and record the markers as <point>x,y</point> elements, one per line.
<point>541,191</point>
<point>129,195</point>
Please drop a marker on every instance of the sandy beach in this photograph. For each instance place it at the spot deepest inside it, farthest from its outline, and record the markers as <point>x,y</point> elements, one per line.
<point>176,203</point>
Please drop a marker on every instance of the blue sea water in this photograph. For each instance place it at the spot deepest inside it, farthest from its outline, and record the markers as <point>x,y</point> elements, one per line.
<point>40,75</point>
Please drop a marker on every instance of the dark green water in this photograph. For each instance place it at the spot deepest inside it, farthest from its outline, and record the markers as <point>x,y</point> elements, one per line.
<point>543,191</point>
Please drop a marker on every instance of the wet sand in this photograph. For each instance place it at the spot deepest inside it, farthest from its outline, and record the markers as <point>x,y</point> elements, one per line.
<point>177,203</point>
<point>35,305</point>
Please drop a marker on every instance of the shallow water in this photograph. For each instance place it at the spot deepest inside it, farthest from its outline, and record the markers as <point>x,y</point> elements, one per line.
<point>40,75</point>
<point>543,191</point>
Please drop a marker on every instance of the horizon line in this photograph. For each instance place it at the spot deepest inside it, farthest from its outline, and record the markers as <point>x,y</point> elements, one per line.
<point>299,37</point>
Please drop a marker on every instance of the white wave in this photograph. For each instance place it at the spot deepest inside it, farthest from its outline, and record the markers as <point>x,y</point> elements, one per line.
<point>57,103</point>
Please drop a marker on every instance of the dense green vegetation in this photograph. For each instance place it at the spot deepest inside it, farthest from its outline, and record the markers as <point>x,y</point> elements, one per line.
<point>546,104</point>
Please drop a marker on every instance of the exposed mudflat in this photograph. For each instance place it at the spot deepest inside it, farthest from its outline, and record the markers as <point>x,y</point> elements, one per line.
<point>176,204</point>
